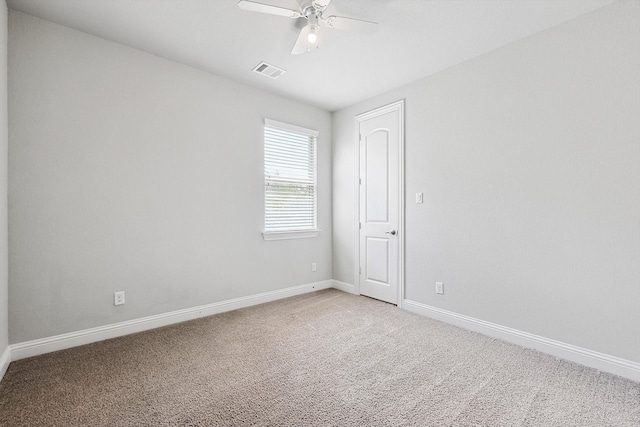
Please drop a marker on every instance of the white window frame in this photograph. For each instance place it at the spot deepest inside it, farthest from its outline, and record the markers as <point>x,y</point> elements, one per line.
<point>293,233</point>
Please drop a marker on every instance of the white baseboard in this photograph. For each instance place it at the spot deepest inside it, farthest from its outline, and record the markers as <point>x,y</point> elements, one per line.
<point>603,362</point>
<point>87,336</point>
<point>5,359</point>
<point>343,286</point>
<point>583,356</point>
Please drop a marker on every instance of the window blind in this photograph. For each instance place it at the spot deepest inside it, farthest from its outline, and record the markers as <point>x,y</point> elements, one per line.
<point>290,177</point>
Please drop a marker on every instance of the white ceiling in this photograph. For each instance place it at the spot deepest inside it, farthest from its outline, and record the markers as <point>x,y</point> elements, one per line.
<point>415,38</point>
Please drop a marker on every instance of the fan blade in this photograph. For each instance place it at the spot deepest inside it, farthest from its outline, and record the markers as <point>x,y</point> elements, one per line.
<point>320,4</point>
<point>301,45</point>
<point>342,23</point>
<point>253,6</point>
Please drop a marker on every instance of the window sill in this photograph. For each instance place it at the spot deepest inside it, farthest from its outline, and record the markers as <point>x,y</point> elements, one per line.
<point>286,235</point>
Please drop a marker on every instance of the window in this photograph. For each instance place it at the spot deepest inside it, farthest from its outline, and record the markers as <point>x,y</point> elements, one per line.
<point>289,181</point>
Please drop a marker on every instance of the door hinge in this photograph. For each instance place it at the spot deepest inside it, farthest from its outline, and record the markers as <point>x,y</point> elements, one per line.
<point>360,181</point>
<point>360,225</point>
<point>359,270</point>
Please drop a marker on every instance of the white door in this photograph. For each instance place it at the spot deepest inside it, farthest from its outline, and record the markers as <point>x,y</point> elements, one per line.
<point>380,137</point>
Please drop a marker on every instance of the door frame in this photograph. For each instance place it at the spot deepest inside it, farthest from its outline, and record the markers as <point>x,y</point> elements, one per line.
<point>397,106</point>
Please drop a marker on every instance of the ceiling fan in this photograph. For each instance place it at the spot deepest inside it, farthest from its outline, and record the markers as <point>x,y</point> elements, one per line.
<point>309,37</point>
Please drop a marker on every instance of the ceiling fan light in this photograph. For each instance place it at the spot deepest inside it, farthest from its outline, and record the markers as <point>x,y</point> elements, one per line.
<point>312,37</point>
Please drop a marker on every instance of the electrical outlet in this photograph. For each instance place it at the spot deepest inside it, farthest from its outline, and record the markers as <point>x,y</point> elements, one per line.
<point>314,267</point>
<point>440,288</point>
<point>118,298</point>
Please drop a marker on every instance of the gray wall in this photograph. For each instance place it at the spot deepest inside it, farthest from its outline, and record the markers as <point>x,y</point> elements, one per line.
<point>529,160</point>
<point>4,309</point>
<point>130,172</point>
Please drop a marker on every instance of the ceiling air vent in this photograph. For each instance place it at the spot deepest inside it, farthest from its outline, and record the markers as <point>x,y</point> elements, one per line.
<point>268,70</point>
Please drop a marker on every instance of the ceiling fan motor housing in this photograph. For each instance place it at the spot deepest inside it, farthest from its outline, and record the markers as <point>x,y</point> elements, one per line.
<point>312,15</point>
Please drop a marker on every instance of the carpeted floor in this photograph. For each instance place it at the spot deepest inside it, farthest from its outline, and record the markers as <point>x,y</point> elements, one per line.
<point>325,358</point>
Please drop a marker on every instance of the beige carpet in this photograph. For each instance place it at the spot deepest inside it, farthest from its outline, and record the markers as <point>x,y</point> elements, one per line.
<point>326,358</point>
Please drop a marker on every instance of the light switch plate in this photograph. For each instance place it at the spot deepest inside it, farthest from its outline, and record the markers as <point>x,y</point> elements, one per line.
<point>419,198</point>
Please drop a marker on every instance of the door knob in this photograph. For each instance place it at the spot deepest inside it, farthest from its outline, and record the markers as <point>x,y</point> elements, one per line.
<point>392,232</point>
